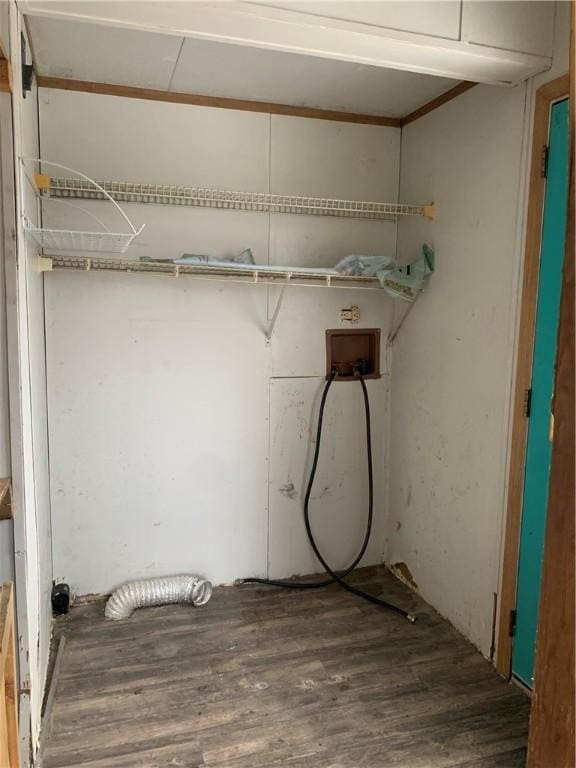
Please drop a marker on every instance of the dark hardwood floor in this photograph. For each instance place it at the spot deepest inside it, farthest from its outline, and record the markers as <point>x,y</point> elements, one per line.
<point>263,678</point>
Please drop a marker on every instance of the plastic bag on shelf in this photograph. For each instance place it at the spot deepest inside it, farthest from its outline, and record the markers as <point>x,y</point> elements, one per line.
<point>246,257</point>
<point>364,266</point>
<point>408,281</point>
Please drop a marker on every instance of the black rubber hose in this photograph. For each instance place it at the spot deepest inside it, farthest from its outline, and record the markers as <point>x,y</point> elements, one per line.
<point>336,577</point>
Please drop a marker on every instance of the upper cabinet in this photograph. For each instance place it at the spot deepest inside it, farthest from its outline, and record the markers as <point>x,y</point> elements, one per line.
<point>439,19</point>
<point>515,26</point>
<point>489,42</point>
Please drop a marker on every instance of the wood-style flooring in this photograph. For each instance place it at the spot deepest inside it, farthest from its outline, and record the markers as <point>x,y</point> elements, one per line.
<point>271,678</point>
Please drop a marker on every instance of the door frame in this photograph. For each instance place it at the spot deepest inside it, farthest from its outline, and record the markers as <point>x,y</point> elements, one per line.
<point>549,93</point>
<point>551,738</point>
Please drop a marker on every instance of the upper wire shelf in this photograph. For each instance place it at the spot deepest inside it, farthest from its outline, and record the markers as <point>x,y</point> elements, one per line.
<point>163,194</point>
<point>103,241</point>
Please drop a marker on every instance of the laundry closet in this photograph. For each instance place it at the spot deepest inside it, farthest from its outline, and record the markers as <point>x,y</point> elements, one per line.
<point>233,219</point>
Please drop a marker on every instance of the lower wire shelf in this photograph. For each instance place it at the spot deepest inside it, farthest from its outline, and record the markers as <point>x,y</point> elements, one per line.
<point>284,276</point>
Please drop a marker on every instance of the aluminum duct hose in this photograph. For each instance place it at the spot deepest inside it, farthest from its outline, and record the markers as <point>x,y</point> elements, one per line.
<point>159,591</point>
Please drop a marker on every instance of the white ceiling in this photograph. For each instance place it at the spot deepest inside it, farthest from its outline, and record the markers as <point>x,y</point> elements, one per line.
<point>105,54</point>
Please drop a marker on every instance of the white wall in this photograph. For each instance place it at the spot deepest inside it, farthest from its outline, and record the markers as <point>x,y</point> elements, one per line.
<point>452,360</point>
<point>173,427</point>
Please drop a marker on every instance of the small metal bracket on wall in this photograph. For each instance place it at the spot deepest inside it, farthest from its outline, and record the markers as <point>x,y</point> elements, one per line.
<point>272,322</point>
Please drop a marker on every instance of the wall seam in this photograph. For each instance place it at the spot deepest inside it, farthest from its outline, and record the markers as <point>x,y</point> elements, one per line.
<point>389,366</point>
<point>270,370</point>
<point>176,62</point>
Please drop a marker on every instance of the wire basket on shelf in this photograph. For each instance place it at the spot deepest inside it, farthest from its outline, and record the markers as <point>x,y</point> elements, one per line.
<point>77,240</point>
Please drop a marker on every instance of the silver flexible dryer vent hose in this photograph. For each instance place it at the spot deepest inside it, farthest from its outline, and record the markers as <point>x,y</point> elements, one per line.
<point>159,591</point>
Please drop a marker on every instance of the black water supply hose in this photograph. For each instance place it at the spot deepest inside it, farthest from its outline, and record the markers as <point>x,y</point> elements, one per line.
<point>335,576</point>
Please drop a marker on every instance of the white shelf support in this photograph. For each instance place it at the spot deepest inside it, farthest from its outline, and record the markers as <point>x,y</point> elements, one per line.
<point>394,333</point>
<point>44,264</point>
<point>272,322</point>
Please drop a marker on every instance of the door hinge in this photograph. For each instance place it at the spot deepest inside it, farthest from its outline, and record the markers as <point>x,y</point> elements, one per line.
<point>527,402</point>
<point>544,161</point>
<point>512,623</point>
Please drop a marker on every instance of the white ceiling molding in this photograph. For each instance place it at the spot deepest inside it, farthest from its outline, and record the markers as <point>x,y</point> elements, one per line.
<point>263,26</point>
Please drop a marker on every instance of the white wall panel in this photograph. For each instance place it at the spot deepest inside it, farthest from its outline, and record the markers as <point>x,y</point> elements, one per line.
<point>108,137</point>
<point>325,240</point>
<point>157,427</point>
<point>328,159</point>
<point>452,361</point>
<point>339,500</point>
<point>159,388</point>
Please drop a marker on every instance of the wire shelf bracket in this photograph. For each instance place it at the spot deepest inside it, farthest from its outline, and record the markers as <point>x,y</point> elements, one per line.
<point>272,322</point>
<point>395,331</point>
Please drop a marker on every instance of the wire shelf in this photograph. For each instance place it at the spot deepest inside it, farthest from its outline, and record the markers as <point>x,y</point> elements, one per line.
<point>161,194</point>
<point>321,278</point>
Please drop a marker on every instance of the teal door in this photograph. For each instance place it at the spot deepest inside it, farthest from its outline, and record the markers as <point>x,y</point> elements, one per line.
<point>539,445</point>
